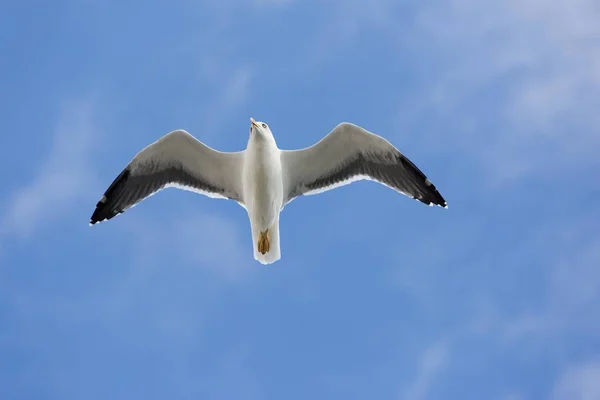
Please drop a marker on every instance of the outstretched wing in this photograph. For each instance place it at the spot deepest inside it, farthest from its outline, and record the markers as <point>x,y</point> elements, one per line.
<point>350,153</point>
<point>176,160</point>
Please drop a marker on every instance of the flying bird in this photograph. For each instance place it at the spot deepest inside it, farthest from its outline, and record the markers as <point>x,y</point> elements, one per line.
<point>263,178</point>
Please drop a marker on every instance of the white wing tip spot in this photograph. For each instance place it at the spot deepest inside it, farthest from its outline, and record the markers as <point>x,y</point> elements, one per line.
<point>99,221</point>
<point>431,204</point>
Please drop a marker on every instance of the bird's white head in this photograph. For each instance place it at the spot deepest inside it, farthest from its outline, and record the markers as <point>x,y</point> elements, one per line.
<point>259,129</point>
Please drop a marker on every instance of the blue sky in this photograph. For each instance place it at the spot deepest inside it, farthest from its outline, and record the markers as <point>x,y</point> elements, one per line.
<point>376,296</point>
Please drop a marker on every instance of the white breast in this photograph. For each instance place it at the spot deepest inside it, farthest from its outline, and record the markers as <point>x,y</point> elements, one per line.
<point>263,184</point>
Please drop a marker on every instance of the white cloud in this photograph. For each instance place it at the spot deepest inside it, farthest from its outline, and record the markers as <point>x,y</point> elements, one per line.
<point>64,177</point>
<point>580,382</point>
<point>534,62</point>
<point>429,365</point>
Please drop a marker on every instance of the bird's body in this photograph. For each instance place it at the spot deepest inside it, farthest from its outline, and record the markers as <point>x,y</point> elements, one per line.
<point>263,192</point>
<point>263,178</point>
<point>263,182</point>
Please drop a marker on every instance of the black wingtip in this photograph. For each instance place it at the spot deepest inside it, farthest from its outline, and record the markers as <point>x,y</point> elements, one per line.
<point>433,196</point>
<point>105,208</point>
<point>428,193</point>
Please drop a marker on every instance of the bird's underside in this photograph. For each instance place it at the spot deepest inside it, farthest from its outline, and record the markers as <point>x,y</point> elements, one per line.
<point>347,154</point>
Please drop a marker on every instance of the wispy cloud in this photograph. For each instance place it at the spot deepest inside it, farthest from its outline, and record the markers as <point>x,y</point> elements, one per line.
<point>581,382</point>
<point>539,59</point>
<point>430,364</point>
<point>64,175</point>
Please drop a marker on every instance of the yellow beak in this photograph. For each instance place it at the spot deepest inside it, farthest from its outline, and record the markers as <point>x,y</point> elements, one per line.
<point>253,122</point>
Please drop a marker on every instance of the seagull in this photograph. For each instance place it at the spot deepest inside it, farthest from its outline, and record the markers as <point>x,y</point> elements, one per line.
<point>263,179</point>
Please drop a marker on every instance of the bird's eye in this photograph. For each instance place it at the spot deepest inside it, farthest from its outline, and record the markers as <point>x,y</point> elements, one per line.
<point>250,129</point>
<point>264,125</point>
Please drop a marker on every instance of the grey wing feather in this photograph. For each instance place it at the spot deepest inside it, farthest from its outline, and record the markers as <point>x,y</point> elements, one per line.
<point>350,153</point>
<point>176,160</point>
